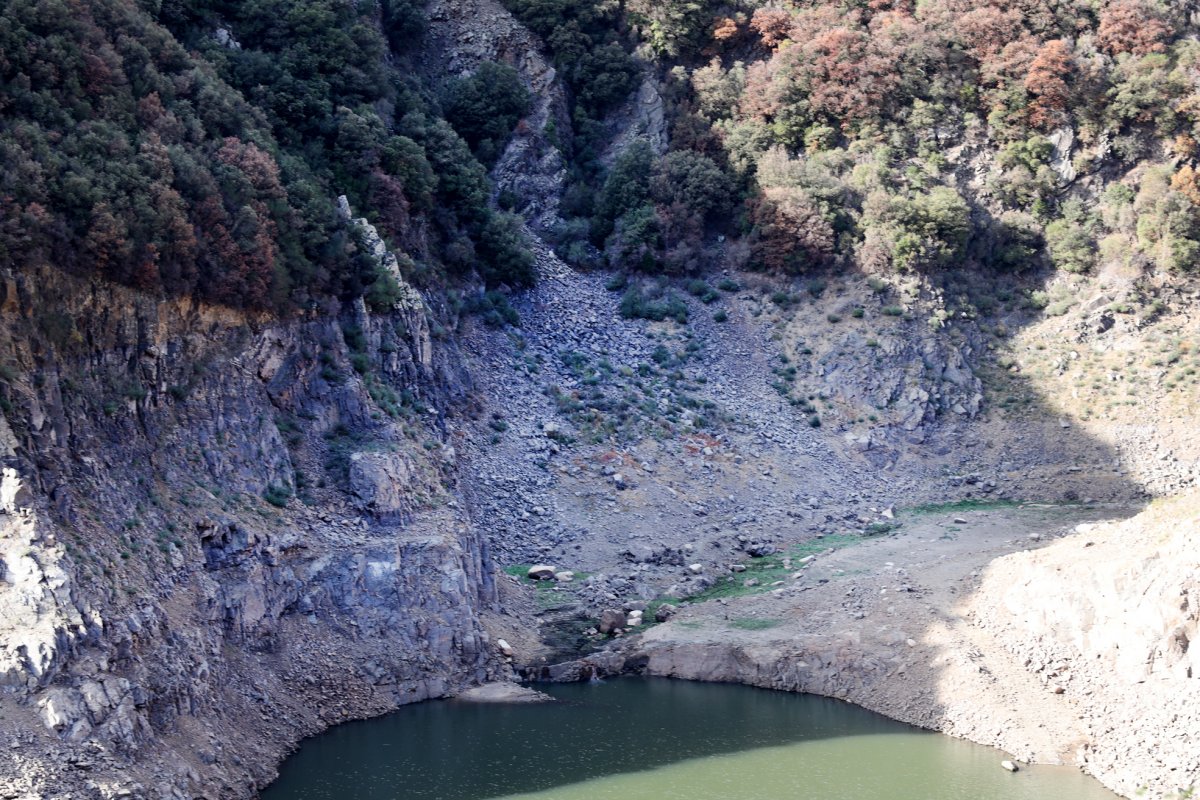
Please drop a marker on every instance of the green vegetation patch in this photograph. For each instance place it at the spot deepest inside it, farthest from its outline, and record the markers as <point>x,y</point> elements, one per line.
<point>755,623</point>
<point>962,505</point>
<point>769,569</point>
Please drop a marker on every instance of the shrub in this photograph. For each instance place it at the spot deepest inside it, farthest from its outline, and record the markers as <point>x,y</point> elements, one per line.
<point>655,304</point>
<point>495,309</point>
<point>277,495</point>
<point>484,108</point>
<point>504,251</point>
<point>700,289</point>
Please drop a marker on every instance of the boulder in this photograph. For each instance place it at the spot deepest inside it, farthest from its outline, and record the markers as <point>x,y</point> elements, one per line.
<point>665,612</point>
<point>540,572</point>
<point>504,647</point>
<point>566,576</point>
<point>611,620</point>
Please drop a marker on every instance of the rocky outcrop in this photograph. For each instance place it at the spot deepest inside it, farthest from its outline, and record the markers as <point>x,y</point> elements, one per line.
<point>172,616</point>
<point>464,33</point>
<point>642,116</point>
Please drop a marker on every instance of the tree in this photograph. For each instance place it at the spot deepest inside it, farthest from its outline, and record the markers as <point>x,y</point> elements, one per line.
<point>790,232</point>
<point>504,252</point>
<point>1132,26</point>
<point>1048,84</point>
<point>773,25</point>
<point>626,187</point>
<point>693,181</point>
<point>485,107</point>
<point>1071,240</point>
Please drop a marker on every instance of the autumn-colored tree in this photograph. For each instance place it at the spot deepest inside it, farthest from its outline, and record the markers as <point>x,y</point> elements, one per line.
<point>1048,83</point>
<point>255,164</point>
<point>773,25</point>
<point>725,29</point>
<point>1132,26</point>
<point>984,31</point>
<point>1187,182</point>
<point>107,242</point>
<point>762,97</point>
<point>386,197</point>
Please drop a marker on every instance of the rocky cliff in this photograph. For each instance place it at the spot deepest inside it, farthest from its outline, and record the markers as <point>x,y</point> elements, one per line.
<point>220,534</point>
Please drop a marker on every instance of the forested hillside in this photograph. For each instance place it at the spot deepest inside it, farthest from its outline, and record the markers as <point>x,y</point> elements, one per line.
<point>898,136</point>
<point>198,146</point>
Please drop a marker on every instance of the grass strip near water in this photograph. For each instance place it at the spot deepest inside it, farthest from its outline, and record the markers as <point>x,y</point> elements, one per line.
<point>766,570</point>
<point>959,506</point>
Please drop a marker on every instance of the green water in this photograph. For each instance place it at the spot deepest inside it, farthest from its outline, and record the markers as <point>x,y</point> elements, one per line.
<point>638,739</point>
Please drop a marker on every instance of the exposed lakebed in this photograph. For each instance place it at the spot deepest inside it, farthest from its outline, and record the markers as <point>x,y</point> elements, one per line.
<point>657,739</point>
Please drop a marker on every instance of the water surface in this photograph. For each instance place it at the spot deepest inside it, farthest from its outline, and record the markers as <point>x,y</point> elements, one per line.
<point>655,739</point>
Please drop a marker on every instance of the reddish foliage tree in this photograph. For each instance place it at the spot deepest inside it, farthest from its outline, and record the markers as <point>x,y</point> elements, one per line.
<point>386,197</point>
<point>257,165</point>
<point>984,31</point>
<point>1132,26</point>
<point>1187,182</point>
<point>725,29</point>
<point>773,25</point>
<point>1048,84</point>
<point>107,242</point>
<point>762,96</point>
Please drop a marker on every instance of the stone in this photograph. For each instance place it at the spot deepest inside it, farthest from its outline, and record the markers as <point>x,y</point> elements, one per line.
<point>664,612</point>
<point>696,568</point>
<point>611,620</point>
<point>503,693</point>
<point>737,567</point>
<point>540,572</point>
<point>1009,765</point>
<point>504,647</point>
<point>566,576</point>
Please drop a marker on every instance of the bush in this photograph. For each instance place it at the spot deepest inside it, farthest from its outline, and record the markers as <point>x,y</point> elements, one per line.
<point>495,309</point>
<point>277,495</point>
<point>1071,240</point>
<point>655,304</point>
<point>485,107</point>
<point>504,250</point>
<point>700,289</point>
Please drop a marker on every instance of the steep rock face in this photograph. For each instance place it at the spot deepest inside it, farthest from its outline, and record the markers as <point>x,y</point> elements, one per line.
<point>168,616</point>
<point>464,33</point>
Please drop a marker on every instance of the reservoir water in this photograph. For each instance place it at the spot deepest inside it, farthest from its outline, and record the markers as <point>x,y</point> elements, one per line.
<point>654,739</point>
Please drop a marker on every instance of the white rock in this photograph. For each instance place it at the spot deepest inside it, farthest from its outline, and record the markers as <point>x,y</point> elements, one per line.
<point>540,572</point>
